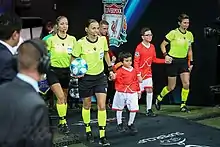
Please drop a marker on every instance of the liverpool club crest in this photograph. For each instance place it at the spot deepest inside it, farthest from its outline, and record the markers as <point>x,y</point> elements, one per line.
<point>114,15</point>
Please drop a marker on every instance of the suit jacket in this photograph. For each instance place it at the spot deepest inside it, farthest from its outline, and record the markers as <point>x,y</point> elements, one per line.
<point>23,116</point>
<point>7,65</point>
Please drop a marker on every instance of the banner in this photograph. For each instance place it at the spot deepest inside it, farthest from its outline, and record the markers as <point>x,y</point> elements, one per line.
<point>43,86</point>
<point>114,15</point>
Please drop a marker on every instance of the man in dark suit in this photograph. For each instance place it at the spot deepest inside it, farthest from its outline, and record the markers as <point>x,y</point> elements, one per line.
<point>23,113</point>
<point>10,26</point>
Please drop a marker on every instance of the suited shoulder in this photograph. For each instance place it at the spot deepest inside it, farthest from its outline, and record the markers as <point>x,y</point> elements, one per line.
<point>4,87</point>
<point>33,98</point>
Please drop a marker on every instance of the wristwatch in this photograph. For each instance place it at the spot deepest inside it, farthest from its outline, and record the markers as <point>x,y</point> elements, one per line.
<point>164,54</point>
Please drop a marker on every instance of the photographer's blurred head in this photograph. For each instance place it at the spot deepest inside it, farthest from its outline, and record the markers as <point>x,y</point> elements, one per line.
<point>10,27</point>
<point>30,58</point>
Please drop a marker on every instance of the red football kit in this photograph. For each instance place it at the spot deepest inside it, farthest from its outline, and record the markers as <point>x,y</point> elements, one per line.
<point>143,59</point>
<point>126,80</point>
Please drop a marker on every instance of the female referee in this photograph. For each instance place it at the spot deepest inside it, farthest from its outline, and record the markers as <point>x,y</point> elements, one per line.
<point>60,47</point>
<point>93,49</point>
<point>180,41</point>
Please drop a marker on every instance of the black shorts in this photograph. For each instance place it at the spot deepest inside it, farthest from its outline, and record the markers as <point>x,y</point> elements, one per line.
<point>178,66</point>
<point>91,84</point>
<point>59,75</point>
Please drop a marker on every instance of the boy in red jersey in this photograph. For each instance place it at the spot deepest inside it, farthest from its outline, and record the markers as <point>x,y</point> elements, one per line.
<point>145,55</point>
<point>127,92</point>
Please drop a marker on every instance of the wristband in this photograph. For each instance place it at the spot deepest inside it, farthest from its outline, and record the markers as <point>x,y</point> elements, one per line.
<point>164,54</point>
<point>110,68</point>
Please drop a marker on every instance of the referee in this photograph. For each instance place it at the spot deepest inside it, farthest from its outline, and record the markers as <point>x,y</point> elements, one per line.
<point>93,49</point>
<point>60,47</point>
<point>180,40</point>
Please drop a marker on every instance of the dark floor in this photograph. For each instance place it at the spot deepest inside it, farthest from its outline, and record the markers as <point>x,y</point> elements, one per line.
<point>153,132</point>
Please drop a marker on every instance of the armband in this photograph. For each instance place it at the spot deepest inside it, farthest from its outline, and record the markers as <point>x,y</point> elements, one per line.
<point>191,62</point>
<point>164,54</point>
<point>110,68</point>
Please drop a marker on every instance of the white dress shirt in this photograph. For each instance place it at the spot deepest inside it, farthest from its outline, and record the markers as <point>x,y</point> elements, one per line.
<point>29,80</point>
<point>10,48</point>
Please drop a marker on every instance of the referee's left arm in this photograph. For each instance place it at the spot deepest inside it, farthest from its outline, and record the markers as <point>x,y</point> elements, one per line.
<point>107,59</point>
<point>106,54</point>
<point>190,52</point>
<point>76,51</point>
<point>190,56</point>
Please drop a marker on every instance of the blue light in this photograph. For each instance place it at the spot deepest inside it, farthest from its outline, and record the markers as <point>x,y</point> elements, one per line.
<point>133,11</point>
<point>131,7</point>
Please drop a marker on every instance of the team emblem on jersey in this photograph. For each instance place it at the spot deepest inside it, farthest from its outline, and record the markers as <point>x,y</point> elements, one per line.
<point>114,15</point>
<point>137,54</point>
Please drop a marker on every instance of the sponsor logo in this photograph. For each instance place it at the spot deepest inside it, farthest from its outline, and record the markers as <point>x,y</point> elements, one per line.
<point>170,139</point>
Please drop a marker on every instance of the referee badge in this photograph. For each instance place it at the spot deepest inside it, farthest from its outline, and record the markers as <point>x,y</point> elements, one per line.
<point>137,54</point>
<point>69,50</point>
<point>101,55</point>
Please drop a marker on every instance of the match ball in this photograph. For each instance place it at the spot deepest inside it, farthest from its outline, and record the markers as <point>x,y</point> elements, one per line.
<point>78,67</point>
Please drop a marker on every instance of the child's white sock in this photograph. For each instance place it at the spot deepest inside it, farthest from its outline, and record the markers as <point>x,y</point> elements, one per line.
<point>131,118</point>
<point>149,99</point>
<point>119,117</point>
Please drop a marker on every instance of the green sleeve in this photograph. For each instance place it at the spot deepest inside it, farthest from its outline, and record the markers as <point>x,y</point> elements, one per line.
<point>170,35</point>
<point>46,37</point>
<point>191,37</point>
<point>49,44</point>
<point>77,50</point>
<point>74,42</point>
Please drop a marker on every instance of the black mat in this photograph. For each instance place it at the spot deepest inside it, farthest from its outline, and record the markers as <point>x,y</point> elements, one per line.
<point>153,132</point>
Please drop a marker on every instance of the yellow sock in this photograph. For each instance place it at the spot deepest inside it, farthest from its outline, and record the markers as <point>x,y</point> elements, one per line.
<point>184,95</point>
<point>64,120</point>
<point>86,119</point>
<point>61,109</point>
<point>164,92</point>
<point>102,116</point>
